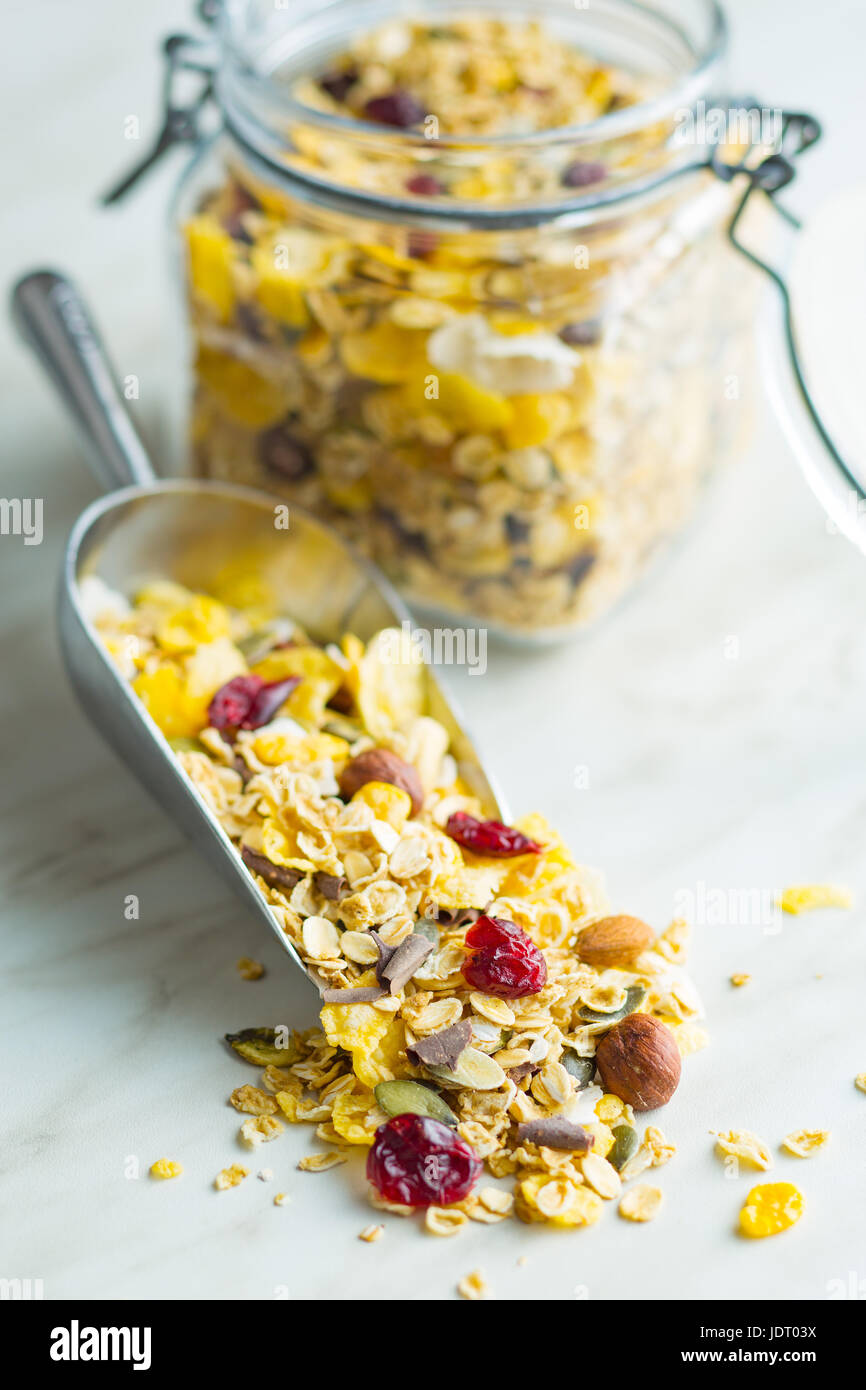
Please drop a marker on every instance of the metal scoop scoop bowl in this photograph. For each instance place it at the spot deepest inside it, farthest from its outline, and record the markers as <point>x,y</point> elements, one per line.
<point>190,532</point>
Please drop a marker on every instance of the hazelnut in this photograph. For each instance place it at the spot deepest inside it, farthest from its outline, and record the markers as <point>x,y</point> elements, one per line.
<point>614,941</point>
<point>638,1060</point>
<point>381,765</point>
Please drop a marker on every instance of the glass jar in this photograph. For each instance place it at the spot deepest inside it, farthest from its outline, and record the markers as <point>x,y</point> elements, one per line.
<point>501,358</point>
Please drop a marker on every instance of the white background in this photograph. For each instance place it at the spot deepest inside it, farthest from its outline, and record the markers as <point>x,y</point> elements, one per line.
<point>739,774</point>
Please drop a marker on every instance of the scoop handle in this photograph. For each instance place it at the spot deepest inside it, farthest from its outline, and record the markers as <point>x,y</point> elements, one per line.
<point>52,318</point>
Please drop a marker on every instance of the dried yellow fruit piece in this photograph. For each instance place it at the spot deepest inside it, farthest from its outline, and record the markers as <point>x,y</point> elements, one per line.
<point>802,1143</point>
<point>166,1168</point>
<point>742,1144</point>
<point>805,897</point>
<point>740,979</point>
<point>282,1199</point>
<point>860,1081</point>
<point>770,1208</point>
<point>210,250</point>
<point>230,1177</point>
<point>642,1203</point>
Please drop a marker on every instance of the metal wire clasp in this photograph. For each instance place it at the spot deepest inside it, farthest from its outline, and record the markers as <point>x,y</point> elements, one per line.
<point>180,119</point>
<point>774,172</point>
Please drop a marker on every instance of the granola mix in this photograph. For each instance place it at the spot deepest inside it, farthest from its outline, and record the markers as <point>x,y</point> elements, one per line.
<point>459,1020</point>
<point>510,422</point>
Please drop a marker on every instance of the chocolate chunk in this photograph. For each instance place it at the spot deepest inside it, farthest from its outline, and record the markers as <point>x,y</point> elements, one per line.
<point>385,954</point>
<point>275,875</point>
<point>444,1048</point>
<point>516,529</point>
<point>581,334</point>
<point>283,453</point>
<point>524,1069</point>
<point>581,566</point>
<point>331,886</point>
<point>243,768</point>
<point>342,700</point>
<point>556,1134</point>
<point>363,994</point>
<point>339,83</point>
<point>403,962</point>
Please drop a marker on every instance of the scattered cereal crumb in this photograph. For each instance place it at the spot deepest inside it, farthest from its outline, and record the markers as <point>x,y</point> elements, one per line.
<point>282,1199</point>
<point>740,979</point>
<point>252,1101</point>
<point>741,1143</point>
<point>523,1260</point>
<point>319,1163</point>
<point>382,1204</point>
<point>770,1208</point>
<point>371,1233</point>
<point>860,1081</point>
<point>250,969</point>
<point>444,1221</point>
<point>265,1175</point>
<point>474,1286</point>
<point>230,1177</point>
<point>805,897</point>
<point>642,1203</point>
<point>802,1143</point>
<point>166,1168</point>
<point>260,1129</point>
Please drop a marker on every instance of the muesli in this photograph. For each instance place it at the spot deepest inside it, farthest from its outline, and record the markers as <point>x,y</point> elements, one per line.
<point>480,1005</point>
<point>511,421</point>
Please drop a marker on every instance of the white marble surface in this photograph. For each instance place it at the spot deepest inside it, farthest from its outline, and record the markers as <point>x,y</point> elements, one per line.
<point>740,773</point>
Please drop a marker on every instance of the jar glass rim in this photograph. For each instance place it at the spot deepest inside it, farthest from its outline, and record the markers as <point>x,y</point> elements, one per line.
<point>238,68</point>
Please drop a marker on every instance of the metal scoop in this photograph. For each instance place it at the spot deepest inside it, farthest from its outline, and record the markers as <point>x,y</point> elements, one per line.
<point>189,532</point>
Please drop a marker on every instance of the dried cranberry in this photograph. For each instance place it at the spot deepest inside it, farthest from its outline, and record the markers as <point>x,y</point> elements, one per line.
<point>283,453</point>
<point>504,961</point>
<point>248,702</point>
<point>425,185</point>
<point>489,837</point>
<point>581,334</point>
<point>339,83</point>
<point>583,172</point>
<point>421,1163</point>
<point>397,108</point>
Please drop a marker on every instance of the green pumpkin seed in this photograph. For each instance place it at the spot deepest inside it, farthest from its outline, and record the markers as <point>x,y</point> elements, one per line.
<point>256,645</point>
<point>410,1098</point>
<point>261,1046</point>
<point>634,997</point>
<point>181,744</point>
<point>425,926</point>
<point>581,1068</point>
<point>475,1071</point>
<point>625,1144</point>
